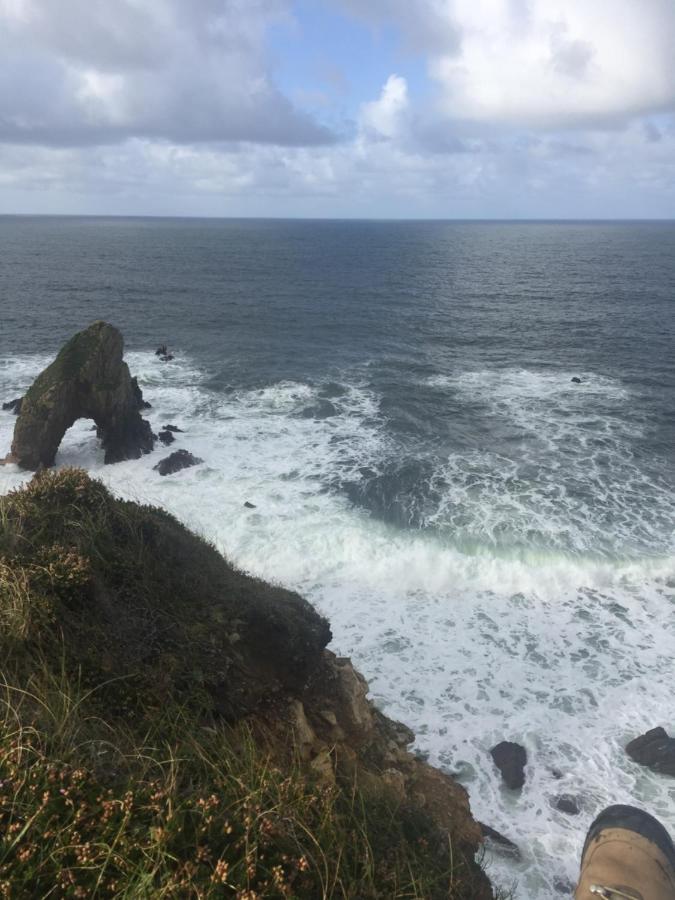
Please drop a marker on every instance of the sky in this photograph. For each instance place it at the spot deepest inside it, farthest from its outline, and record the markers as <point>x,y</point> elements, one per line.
<point>338,108</point>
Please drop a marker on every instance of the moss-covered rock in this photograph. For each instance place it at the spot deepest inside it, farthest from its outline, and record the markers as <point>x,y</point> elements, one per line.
<point>87,380</point>
<point>134,593</point>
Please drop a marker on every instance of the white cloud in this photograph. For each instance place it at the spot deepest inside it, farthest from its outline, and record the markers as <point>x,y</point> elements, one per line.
<point>384,117</point>
<point>540,63</point>
<point>553,63</point>
<point>539,111</point>
<point>629,172</point>
<point>94,71</point>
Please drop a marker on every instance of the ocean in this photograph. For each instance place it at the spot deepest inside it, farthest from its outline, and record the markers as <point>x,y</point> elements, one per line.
<point>492,542</point>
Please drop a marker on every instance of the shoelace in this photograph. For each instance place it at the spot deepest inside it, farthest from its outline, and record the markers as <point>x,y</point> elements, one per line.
<point>610,893</point>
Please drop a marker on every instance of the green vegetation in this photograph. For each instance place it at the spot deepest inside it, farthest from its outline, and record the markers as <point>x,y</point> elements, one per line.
<point>131,764</point>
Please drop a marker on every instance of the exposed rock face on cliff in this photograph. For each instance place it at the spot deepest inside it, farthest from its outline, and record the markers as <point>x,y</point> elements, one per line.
<point>339,732</point>
<point>87,380</point>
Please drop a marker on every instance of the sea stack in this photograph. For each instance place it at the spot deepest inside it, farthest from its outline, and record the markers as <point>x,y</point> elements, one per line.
<point>87,380</point>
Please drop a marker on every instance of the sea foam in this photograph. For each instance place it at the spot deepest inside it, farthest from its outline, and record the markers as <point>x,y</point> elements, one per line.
<point>509,615</point>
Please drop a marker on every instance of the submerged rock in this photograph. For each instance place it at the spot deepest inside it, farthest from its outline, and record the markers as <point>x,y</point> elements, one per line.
<point>576,380</point>
<point>13,406</point>
<point>179,459</point>
<point>166,437</point>
<point>654,749</point>
<point>324,409</point>
<point>332,390</point>
<point>173,428</point>
<point>510,758</point>
<point>87,380</point>
<point>249,505</point>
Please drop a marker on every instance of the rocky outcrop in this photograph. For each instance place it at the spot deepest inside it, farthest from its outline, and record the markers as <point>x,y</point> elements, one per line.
<point>138,395</point>
<point>87,380</point>
<point>163,353</point>
<point>339,734</point>
<point>567,803</point>
<point>654,749</point>
<point>13,406</point>
<point>160,617</point>
<point>510,758</point>
<point>499,843</point>
<point>179,459</point>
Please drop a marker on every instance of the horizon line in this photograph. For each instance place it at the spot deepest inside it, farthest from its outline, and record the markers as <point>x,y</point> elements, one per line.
<point>458,219</point>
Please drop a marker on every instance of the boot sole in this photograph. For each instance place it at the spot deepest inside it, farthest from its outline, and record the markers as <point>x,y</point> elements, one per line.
<point>633,819</point>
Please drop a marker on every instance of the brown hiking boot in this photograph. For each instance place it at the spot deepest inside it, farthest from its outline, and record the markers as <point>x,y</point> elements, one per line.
<point>628,855</point>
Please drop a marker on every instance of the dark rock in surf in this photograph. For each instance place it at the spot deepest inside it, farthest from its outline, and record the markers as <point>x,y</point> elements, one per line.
<point>499,843</point>
<point>655,750</point>
<point>511,759</point>
<point>567,803</point>
<point>179,459</point>
<point>87,380</point>
<point>250,505</point>
<point>167,357</point>
<point>174,428</point>
<point>576,380</point>
<point>13,406</point>
<point>324,409</point>
<point>161,350</point>
<point>166,437</point>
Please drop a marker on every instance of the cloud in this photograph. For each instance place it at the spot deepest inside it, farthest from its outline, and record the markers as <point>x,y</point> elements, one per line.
<point>537,108</point>
<point>559,63</point>
<point>77,72</point>
<point>383,171</point>
<point>540,63</point>
<point>384,117</point>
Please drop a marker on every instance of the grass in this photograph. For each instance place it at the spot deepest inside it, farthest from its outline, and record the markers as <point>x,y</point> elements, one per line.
<point>194,811</point>
<point>129,766</point>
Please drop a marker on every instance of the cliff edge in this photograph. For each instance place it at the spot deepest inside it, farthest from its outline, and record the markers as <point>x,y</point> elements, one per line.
<point>173,727</point>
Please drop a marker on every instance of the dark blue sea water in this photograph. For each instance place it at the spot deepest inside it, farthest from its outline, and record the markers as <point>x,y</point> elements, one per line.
<point>493,543</point>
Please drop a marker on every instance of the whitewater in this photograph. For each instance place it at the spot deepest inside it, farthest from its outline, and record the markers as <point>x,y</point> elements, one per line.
<point>523,590</point>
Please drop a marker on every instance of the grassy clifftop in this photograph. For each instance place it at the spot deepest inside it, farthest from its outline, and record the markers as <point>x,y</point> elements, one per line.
<point>170,727</point>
